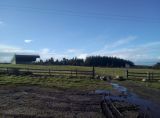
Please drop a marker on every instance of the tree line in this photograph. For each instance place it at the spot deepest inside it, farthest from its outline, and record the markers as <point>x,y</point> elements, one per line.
<point>101,61</point>
<point>157,65</point>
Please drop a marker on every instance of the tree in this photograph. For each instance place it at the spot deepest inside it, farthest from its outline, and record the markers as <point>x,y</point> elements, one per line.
<point>157,65</point>
<point>102,61</point>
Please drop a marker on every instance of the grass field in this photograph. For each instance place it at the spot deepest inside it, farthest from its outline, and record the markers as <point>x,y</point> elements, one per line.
<point>98,70</point>
<point>59,82</point>
<point>67,82</point>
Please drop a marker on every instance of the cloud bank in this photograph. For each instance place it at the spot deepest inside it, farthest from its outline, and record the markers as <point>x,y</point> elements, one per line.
<point>146,53</point>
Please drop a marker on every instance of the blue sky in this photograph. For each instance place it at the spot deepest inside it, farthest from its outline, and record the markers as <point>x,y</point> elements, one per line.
<point>128,29</point>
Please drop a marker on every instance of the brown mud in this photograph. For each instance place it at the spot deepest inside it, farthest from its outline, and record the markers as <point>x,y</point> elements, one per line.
<point>40,102</point>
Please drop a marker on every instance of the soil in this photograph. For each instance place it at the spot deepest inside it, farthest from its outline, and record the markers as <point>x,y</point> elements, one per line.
<point>40,102</point>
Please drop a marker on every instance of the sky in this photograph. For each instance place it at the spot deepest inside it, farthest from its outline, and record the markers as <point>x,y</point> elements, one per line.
<point>128,29</point>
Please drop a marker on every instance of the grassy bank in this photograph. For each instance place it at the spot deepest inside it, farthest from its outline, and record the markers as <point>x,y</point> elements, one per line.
<point>57,82</point>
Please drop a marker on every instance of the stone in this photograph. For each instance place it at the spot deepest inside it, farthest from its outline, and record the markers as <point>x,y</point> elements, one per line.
<point>144,80</point>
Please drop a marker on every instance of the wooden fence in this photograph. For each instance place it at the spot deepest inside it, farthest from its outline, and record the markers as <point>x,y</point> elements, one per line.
<point>151,76</point>
<point>47,72</point>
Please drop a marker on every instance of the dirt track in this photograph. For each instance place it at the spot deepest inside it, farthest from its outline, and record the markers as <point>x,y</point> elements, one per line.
<point>39,102</point>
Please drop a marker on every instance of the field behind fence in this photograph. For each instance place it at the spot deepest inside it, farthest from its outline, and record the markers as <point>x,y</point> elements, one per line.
<point>149,76</point>
<point>47,71</point>
<point>88,71</point>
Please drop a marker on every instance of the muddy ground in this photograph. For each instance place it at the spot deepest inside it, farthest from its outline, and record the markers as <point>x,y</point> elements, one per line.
<point>143,91</point>
<point>40,102</point>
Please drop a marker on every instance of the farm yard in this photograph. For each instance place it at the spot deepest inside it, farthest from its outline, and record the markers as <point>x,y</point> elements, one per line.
<point>65,91</point>
<point>79,59</point>
<point>41,102</point>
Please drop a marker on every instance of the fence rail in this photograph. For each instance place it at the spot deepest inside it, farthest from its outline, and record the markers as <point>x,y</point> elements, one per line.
<point>141,75</point>
<point>50,72</point>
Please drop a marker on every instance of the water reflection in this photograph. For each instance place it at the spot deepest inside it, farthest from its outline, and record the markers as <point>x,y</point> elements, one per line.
<point>121,93</point>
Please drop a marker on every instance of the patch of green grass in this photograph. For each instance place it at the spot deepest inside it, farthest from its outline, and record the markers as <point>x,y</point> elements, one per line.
<point>150,84</point>
<point>64,83</point>
<point>132,83</point>
<point>81,83</point>
<point>154,85</point>
<point>98,70</point>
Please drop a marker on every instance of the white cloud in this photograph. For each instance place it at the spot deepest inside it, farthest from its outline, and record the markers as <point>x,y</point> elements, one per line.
<point>27,41</point>
<point>13,49</point>
<point>82,56</point>
<point>71,50</point>
<point>7,48</point>
<point>121,42</point>
<point>7,52</point>
<point>46,53</point>
<point>79,53</point>
<point>145,53</point>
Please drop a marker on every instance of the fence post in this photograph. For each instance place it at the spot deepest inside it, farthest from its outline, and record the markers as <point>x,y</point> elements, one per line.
<point>49,72</point>
<point>148,75</point>
<point>52,72</point>
<point>93,72</point>
<point>7,70</point>
<point>71,73</point>
<point>151,76</point>
<point>76,72</point>
<point>27,69</point>
<point>127,74</point>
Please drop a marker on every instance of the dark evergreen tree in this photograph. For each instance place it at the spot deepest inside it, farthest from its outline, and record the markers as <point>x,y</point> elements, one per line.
<point>156,66</point>
<point>102,61</point>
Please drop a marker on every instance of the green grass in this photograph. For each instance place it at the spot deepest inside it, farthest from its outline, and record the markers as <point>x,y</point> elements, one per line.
<point>154,85</point>
<point>63,83</point>
<point>149,84</point>
<point>133,83</point>
<point>99,70</point>
<point>74,82</point>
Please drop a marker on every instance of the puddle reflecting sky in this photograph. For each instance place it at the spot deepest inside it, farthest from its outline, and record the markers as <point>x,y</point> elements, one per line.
<point>125,94</point>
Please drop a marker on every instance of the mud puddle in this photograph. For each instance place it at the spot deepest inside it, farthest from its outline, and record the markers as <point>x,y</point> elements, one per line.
<point>121,93</point>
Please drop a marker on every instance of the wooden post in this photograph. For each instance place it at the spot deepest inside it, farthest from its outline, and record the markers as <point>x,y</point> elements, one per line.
<point>93,73</point>
<point>7,70</point>
<point>148,75</point>
<point>127,74</point>
<point>27,69</point>
<point>71,73</point>
<point>76,73</point>
<point>152,76</point>
<point>49,72</point>
<point>52,72</point>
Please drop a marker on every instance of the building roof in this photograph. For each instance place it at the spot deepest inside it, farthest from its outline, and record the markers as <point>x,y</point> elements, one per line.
<point>22,59</point>
<point>22,56</point>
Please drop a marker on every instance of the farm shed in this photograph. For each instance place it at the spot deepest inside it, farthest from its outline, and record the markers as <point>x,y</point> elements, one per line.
<point>24,59</point>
